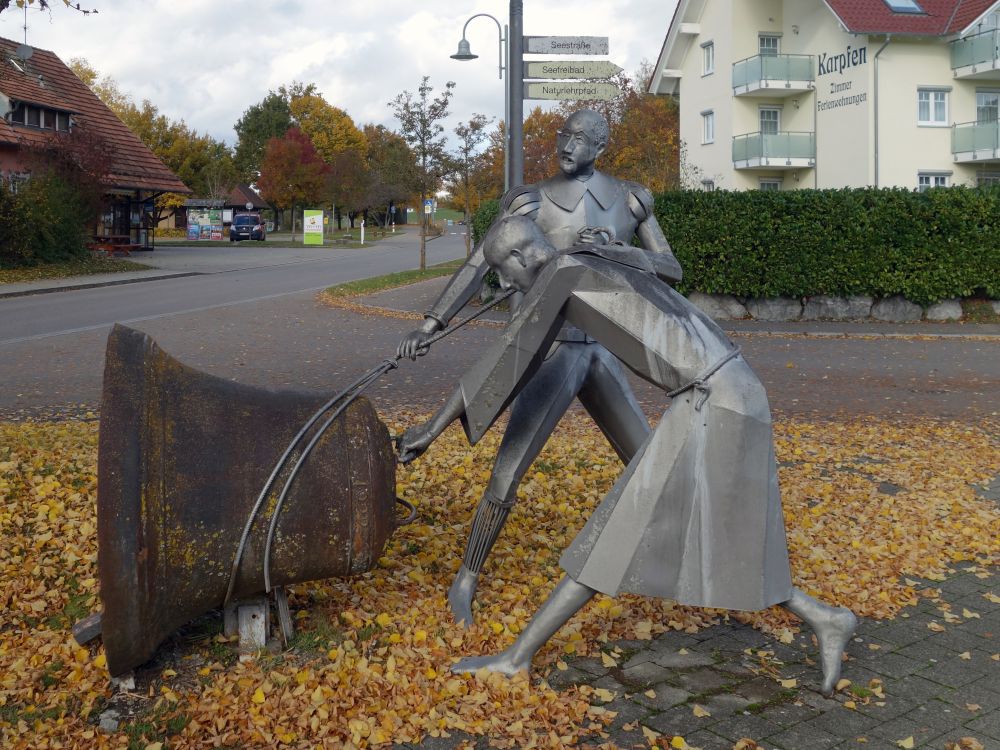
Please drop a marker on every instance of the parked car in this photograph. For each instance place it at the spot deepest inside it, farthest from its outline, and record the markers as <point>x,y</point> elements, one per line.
<point>247,227</point>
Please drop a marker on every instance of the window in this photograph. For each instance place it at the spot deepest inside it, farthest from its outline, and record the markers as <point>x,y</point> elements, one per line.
<point>769,45</point>
<point>987,106</point>
<point>770,183</point>
<point>708,127</point>
<point>34,115</point>
<point>932,107</point>
<point>17,115</point>
<point>904,6</point>
<point>707,58</point>
<point>770,120</point>
<point>708,186</point>
<point>62,121</point>
<point>926,180</point>
<point>988,179</point>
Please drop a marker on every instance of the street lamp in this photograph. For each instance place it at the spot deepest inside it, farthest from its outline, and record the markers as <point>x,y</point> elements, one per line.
<point>511,63</point>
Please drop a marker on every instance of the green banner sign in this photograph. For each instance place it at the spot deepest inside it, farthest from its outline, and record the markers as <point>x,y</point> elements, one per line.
<point>312,226</point>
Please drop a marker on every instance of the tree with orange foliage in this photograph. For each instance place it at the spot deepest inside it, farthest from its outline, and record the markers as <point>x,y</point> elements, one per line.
<point>292,172</point>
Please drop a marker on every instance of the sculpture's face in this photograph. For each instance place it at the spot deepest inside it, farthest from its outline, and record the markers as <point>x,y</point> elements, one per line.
<point>577,147</point>
<point>515,270</point>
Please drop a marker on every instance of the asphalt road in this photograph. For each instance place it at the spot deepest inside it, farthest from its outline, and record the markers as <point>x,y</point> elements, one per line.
<point>240,275</point>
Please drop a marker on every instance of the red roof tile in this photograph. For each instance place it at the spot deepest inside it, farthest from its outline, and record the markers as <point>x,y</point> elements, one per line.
<point>940,17</point>
<point>243,194</point>
<point>49,83</point>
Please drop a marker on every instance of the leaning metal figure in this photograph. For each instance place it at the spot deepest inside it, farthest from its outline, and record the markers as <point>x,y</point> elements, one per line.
<point>564,207</point>
<point>696,515</point>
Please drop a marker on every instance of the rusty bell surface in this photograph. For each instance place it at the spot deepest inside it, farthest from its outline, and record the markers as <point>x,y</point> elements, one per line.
<point>183,456</point>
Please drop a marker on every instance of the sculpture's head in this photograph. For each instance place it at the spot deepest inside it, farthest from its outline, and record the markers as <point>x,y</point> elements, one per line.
<point>516,249</point>
<point>581,139</point>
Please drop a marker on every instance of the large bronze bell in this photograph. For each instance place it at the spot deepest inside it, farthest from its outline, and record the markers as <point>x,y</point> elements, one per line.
<point>182,459</point>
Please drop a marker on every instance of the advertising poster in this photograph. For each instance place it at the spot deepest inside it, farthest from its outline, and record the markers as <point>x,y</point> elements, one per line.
<point>194,231</point>
<point>312,226</point>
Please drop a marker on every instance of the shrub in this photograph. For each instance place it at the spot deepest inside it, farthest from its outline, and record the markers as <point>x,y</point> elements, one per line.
<point>45,221</point>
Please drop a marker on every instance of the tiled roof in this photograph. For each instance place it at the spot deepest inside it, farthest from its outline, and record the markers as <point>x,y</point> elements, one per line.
<point>243,194</point>
<point>940,17</point>
<point>49,83</point>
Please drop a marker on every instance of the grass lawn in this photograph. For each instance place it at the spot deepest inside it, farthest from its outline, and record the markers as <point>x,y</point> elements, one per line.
<point>81,267</point>
<point>391,280</point>
<point>334,239</point>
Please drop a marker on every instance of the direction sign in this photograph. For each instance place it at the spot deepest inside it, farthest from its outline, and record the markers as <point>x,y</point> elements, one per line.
<point>570,69</point>
<point>566,45</point>
<point>578,91</point>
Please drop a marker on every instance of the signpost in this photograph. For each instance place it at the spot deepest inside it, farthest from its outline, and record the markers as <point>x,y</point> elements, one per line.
<point>567,90</point>
<point>542,69</point>
<point>566,45</point>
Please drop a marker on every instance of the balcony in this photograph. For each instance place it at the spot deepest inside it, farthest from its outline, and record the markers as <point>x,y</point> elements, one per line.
<point>783,150</point>
<point>977,57</point>
<point>976,142</point>
<point>774,75</point>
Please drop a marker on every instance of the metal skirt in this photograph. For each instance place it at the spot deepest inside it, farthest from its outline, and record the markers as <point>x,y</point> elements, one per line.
<point>696,516</point>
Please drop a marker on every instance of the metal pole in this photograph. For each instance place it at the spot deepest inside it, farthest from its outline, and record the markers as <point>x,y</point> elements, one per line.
<point>506,110</point>
<point>515,82</point>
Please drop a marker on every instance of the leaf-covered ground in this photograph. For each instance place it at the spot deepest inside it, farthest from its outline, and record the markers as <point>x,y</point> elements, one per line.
<point>866,502</point>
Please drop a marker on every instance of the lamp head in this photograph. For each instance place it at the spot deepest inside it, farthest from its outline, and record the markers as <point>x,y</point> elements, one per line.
<point>464,52</point>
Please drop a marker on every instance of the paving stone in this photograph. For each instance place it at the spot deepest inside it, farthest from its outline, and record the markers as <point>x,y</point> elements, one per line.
<point>917,688</point>
<point>740,725</point>
<point>628,711</point>
<point>590,664</point>
<point>859,649</point>
<point>751,637</point>
<point>446,743</point>
<point>622,739</point>
<point>983,692</point>
<point>938,714</point>
<point>962,585</point>
<point>988,724</point>
<point>610,683</point>
<point>676,660</point>
<point>562,679</point>
<point>906,726</point>
<point>802,736</point>
<point>677,720</point>
<point>707,740</point>
<point>959,640</point>
<point>843,723</point>
<point>640,657</point>
<point>789,714</point>
<point>702,681</point>
<point>645,674</point>
<point>977,602</point>
<point>987,626</point>
<point>951,738</point>
<point>738,669</point>
<point>725,704</point>
<point>672,641</point>
<point>759,690</point>
<point>895,665</point>
<point>927,652</point>
<point>666,697</point>
<point>895,706</point>
<point>953,673</point>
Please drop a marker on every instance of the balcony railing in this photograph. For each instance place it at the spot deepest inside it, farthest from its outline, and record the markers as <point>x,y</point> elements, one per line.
<point>774,150</point>
<point>976,141</point>
<point>979,50</point>
<point>794,72</point>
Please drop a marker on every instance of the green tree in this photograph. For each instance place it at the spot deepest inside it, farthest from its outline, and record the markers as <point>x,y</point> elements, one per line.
<point>269,118</point>
<point>420,119</point>
<point>392,169</point>
<point>465,166</point>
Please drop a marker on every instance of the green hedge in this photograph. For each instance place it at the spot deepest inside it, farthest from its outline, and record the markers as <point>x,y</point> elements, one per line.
<point>43,222</point>
<point>881,242</point>
<point>928,246</point>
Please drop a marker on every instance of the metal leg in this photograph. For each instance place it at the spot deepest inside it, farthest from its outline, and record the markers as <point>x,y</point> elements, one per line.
<point>533,416</point>
<point>564,602</point>
<point>608,398</point>
<point>833,626</point>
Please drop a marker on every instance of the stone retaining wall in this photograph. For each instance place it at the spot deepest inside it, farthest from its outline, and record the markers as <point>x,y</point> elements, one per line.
<point>890,310</point>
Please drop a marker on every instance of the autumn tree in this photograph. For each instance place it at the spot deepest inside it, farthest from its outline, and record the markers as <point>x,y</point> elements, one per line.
<point>420,119</point>
<point>269,118</point>
<point>392,172</point>
<point>466,165</point>
<point>292,174</point>
<point>44,5</point>
<point>540,127</point>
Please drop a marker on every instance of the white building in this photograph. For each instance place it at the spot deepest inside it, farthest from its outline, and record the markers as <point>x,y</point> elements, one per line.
<point>783,94</point>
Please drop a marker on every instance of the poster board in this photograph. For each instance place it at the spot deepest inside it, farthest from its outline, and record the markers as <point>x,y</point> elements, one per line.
<point>312,226</point>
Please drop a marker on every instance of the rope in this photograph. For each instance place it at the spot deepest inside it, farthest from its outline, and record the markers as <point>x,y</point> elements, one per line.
<point>348,394</point>
<point>699,383</point>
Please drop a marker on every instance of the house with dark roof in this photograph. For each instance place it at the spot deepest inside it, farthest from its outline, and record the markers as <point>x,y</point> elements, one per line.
<point>41,101</point>
<point>240,198</point>
<point>785,94</point>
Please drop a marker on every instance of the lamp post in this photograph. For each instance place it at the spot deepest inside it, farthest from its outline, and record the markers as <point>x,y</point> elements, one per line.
<point>511,50</point>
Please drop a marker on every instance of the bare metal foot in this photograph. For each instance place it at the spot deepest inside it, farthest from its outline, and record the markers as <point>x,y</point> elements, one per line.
<point>833,635</point>
<point>502,663</point>
<point>460,595</point>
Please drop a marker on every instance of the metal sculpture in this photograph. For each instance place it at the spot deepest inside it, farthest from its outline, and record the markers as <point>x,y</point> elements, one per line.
<point>696,516</point>
<point>577,204</point>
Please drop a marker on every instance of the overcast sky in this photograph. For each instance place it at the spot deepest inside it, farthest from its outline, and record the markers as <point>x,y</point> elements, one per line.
<point>206,61</point>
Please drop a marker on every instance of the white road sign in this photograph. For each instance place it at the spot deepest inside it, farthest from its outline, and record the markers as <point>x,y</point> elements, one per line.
<point>570,69</point>
<point>577,91</point>
<point>566,45</point>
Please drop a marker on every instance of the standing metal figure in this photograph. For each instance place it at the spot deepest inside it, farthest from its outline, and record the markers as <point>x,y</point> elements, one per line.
<point>696,516</point>
<point>578,204</point>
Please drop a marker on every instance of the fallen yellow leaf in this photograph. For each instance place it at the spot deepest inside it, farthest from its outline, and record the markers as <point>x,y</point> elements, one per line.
<point>906,744</point>
<point>789,683</point>
<point>678,743</point>
<point>965,655</point>
<point>607,661</point>
<point>700,712</point>
<point>258,696</point>
<point>843,683</point>
<point>968,614</point>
